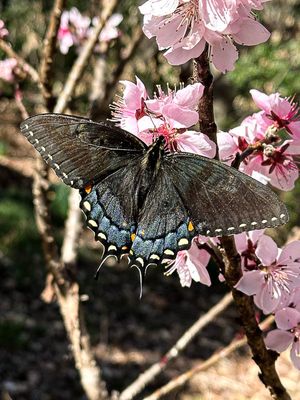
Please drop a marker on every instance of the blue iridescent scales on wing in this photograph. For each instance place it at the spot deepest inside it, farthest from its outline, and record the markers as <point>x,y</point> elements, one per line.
<point>143,201</point>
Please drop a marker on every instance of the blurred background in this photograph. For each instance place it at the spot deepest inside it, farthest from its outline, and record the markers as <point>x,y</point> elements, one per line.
<point>127,334</point>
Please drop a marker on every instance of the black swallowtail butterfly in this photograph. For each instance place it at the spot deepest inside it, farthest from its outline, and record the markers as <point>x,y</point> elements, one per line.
<point>144,201</point>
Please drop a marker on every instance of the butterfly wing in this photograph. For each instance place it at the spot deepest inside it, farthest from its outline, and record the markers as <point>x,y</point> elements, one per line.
<point>163,225</point>
<point>221,200</point>
<point>81,151</point>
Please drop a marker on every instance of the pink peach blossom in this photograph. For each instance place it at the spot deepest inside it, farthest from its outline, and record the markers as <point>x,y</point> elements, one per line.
<point>183,27</point>
<point>281,112</point>
<point>168,114</point>
<point>288,333</point>
<point>191,266</point>
<point>277,274</point>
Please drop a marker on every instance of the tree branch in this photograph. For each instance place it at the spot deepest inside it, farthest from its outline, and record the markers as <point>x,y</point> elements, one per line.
<point>214,359</point>
<point>264,358</point>
<point>148,376</point>
<point>49,51</point>
<point>8,50</point>
<point>203,75</point>
<point>86,51</point>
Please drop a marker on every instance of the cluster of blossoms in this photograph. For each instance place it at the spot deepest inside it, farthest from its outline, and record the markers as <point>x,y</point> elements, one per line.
<point>274,133</point>
<point>75,28</point>
<point>270,274</point>
<point>184,27</point>
<point>169,114</point>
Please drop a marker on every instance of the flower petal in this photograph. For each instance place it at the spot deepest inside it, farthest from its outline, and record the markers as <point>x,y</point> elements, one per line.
<point>266,250</point>
<point>287,318</point>
<point>278,340</point>
<point>250,283</point>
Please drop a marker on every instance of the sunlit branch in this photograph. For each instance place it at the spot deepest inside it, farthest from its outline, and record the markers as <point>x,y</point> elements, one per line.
<point>214,359</point>
<point>148,376</point>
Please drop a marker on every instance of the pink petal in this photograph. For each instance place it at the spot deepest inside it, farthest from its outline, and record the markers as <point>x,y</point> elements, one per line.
<point>180,55</point>
<point>278,340</point>
<point>145,123</point>
<point>261,100</point>
<point>196,142</point>
<point>129,124</point>
<point>189,96</point>
<point>266,250</point>
<point>170,33</point>
<point>251,33</point>
<point>131,95</point>
<point>183,116</point>
<point>266,299</point>
<point>223,55</point>
<point>255,235</point>
<point>159,7</point>
<point>295,129</point>
<point>250,283</point>
<point>198,273</point>
<point>227,145</point>
<point>241,242</point>
<point>290,252</point>
<point>284,177</point>
<point>218,14</point>
<point>287,318</point>
<point>294,147</point>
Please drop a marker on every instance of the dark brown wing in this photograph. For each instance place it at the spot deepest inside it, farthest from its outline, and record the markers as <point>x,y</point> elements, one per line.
<point>221,200</point>
<point>80,151</point>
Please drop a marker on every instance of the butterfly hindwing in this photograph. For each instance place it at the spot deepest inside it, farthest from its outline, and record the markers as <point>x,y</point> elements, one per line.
<point>111,208</point>
<point>80,151</point>
<point>221,200</point>
<point>163,226</point>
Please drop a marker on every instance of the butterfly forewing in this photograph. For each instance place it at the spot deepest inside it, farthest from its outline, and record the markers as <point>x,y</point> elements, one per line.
<point>80,151</point>
<point>221,200</point>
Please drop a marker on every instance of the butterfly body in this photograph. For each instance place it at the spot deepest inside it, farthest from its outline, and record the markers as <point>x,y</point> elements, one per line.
<point>145,201</point>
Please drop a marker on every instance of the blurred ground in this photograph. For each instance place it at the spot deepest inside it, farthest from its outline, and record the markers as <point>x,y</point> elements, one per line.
<point>128,334</point>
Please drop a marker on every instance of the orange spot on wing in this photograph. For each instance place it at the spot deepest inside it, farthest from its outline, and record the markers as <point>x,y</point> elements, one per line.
<point>124,248</point>
<point>190,227</point>
<point>88,189</point>
<point>133,236</point>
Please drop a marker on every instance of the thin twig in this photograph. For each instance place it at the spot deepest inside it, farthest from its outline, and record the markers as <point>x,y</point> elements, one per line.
<point>148,376</point>
<point>49,51</point>
<point>264,358</point>
<point>8,50</point>
<point>128,54</point>
<point>214,359</point>
<point>72,230</point>
<point>86,51</point>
